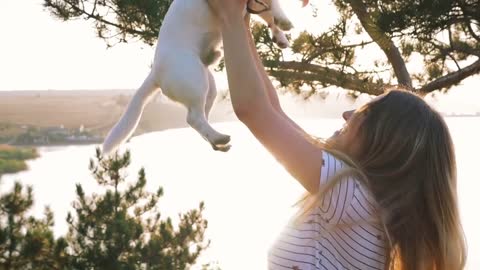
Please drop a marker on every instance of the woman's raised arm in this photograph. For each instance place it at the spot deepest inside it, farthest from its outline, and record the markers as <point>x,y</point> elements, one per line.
<point>251,104</point>
<point>271,91</point>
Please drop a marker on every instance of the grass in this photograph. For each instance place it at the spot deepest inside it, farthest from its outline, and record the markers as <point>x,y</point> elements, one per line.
<point>12,159</point>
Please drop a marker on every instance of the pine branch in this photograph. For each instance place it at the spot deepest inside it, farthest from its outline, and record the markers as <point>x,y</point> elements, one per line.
<point>91,15</point>
<point>311,72</point>
<point>451,78</point>
<point>467,21</point>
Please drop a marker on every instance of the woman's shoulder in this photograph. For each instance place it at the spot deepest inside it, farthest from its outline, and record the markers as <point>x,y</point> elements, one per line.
<point>343,191</point>
<point>332,166</point>
<point>331,159</point>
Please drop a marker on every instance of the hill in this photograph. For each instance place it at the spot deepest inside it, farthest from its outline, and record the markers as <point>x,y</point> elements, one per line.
<point>96,111</point>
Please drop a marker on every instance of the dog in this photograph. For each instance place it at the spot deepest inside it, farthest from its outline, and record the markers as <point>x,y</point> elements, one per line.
<point>188,43</point>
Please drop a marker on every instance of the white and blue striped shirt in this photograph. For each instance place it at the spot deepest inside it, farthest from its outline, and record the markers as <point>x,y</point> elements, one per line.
<point>343,232</point>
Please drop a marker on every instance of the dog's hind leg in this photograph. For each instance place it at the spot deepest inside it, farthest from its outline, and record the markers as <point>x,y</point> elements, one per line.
<point>197,120</point>
<point>187,81</point>
<point>211,95</point>
<point>129,121</point>
<point>198,109</point>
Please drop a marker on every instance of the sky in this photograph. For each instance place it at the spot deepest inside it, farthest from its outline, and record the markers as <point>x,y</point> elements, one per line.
<point>40,52</point>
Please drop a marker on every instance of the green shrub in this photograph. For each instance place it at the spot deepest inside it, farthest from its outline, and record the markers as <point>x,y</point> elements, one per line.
<point>12,159</point>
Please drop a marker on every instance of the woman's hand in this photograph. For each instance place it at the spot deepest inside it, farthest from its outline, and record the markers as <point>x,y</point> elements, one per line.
<point>252,105</point>
<point>227,10</point>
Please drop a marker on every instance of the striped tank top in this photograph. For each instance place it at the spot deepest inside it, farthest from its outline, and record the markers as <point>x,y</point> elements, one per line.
<point>321,242</point>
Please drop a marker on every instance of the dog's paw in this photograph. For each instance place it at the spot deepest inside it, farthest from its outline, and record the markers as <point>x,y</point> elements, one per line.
<point>222,140</point>
<point>282,45</point>
<point>221,144</point>
<point>221,148</point>
<point>282,42</point>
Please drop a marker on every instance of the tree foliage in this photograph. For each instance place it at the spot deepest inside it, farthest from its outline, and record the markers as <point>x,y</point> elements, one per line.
<point>122,229</point>
<point>25,241</point>
<point>118,229</point>
<point>444,34</point>
<point>116,20</point>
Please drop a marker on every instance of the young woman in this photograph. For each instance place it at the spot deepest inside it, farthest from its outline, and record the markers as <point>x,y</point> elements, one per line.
<point>381,192</point>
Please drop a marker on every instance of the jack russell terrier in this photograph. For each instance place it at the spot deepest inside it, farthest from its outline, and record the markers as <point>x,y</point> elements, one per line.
<point>188,43</point>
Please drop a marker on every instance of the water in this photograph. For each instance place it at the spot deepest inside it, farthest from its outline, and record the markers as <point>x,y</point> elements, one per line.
<point>248,195</point>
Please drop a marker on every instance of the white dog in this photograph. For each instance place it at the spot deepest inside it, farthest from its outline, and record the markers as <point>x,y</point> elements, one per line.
<point>188,43</point>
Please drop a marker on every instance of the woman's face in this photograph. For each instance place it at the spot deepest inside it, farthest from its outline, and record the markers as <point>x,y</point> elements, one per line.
<point>347,138</point>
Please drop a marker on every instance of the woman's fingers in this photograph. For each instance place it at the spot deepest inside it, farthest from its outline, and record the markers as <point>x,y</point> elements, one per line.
<point>247,20</point>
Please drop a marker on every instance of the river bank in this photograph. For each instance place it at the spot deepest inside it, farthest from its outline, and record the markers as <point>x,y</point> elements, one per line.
<point>13,159</point>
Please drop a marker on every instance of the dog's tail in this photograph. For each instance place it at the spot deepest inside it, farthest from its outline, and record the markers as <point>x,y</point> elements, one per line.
<point>130,118</point>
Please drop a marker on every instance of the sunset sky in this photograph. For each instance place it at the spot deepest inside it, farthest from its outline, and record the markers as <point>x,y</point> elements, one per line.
<point>39,52</point>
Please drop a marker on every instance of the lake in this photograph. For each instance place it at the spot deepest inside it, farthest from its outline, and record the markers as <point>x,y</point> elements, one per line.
<point>247,194</point>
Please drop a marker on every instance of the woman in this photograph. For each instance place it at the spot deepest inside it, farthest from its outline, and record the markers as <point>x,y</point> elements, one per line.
<point>381,192</point>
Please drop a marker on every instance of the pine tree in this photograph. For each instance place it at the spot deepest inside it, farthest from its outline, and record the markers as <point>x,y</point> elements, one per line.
<point>445,34</point>
<point>25,241</point>
<point>121,228</point>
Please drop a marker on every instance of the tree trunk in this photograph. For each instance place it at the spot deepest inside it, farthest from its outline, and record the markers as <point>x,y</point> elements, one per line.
<point>384,42</point>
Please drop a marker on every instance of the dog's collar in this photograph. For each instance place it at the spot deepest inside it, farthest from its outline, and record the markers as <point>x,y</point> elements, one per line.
<point>265,7</point>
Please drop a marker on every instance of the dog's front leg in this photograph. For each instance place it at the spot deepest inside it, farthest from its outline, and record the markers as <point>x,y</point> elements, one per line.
<point>277,35</point>
<point>279,17</point>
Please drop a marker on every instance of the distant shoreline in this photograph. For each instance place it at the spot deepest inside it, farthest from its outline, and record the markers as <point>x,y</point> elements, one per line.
<point>56,144</point>
<point>65,112</point>
<point>99,142</point>
<point>461,115</point>
<point>75,91</point>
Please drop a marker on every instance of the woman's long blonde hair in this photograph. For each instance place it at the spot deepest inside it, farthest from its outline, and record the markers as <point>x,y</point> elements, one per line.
<point>406,159</point>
